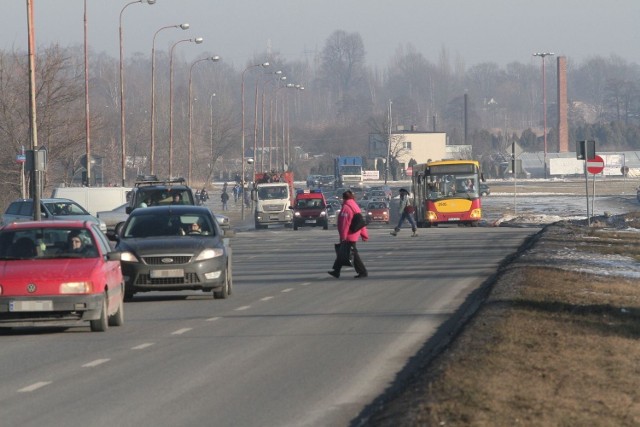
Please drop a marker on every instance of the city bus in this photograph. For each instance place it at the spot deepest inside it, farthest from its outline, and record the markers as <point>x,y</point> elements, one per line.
<point>447,192</point>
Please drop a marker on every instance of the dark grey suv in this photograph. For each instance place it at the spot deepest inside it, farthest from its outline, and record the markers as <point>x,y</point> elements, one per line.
<point>153,192</point>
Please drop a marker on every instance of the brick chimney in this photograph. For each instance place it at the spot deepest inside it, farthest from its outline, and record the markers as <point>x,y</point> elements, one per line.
<point>563,124</point>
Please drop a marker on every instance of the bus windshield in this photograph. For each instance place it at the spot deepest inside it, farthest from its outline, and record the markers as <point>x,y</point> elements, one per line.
<point>450,185</point>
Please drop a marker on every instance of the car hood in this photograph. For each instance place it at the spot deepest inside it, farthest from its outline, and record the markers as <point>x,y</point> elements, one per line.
<point>165,245</point>
<point>47,269</point>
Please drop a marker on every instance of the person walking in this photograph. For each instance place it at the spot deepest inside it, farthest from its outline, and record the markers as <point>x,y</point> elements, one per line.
<point>236,193</point>
<point>349,209</point>
<point>406,211</point>
<point>224,197</point>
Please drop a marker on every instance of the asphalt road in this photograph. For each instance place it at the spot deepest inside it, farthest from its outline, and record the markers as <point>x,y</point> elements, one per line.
<point>291,347</point>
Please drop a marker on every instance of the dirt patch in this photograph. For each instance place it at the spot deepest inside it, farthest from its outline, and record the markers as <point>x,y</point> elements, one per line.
<point>549,346</point>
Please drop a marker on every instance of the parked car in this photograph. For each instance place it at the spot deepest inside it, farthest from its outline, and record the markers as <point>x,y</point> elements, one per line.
<point>115,218</point>
<point>376,195</point>
<point>52,209</point>
<point>388,194</point>
<point>484,189</point>
<point>165,253</point>
<point>377,211</point>
<point>59,273</point>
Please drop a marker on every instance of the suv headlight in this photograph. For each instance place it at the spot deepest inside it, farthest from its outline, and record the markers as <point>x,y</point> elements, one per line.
<point>209,253</point>
<point>128,257</point>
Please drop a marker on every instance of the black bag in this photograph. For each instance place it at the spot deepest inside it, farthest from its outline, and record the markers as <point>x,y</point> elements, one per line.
<point>357,223</point>
<point>344,255</point>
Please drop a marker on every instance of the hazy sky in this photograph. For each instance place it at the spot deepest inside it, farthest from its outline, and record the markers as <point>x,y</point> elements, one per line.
<point>498,31</point>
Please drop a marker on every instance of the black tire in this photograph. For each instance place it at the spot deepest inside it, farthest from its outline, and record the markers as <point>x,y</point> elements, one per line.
<point>101,324</point>
<point>295,226</point>
<point>224,292</point>
<point>118,317</point>
<point>326,225</point>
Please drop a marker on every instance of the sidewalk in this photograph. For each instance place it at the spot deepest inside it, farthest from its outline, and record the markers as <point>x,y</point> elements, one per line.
<point>235,209</point>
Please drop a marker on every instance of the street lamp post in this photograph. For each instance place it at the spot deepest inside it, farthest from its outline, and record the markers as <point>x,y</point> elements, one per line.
<point>260,79</point>
<point>297,87</point>
<point>264,64</point>
<point>211,133</point>
<point>197,40</point>
<point>215,58</point>
<point>123,143</point>
<point>280,78</point>
<point>544,106</point>
<point>184,26</point>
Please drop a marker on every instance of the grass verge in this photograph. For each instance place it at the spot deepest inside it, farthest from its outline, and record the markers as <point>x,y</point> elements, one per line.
<point>550,345</point>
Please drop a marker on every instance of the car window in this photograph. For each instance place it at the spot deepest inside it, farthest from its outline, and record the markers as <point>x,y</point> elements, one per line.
<point>47,243</point>
<point>63,208</point>
<point>26,208</point>
<point>101,240</point>
<point>165,224</point>
<point>13,208</point>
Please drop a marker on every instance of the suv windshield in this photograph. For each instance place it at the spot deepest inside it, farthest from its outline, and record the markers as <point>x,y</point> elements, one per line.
<point>168,224</point>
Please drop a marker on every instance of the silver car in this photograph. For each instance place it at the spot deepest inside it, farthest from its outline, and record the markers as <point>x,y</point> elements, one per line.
<point>60,209</point>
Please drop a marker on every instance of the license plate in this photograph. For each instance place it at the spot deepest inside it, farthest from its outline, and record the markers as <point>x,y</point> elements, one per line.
<point>31,306</point>
<point>310,221</point>
<point>453,219</point>
<point>160,274</point>
<point>273,217</point>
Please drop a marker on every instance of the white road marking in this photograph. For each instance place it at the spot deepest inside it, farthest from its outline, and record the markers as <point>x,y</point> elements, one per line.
<point>181,331</point>
<point>212,319</point>
<point>95,363</point>
<point>34,386</point>
<point>287,290</point>
<point>305,284</point>
<point>142,346</point>
<point>244,307</point>
<point>266,298</point>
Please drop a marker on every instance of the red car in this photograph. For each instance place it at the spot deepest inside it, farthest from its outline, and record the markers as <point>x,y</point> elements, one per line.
<point>59,273</point>
<point>377,212</point>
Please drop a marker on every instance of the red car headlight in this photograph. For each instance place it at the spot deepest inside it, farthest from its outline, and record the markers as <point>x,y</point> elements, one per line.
<point>76,288</point>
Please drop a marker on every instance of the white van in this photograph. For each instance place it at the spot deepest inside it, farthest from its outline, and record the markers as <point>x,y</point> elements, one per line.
<point>94,199</point>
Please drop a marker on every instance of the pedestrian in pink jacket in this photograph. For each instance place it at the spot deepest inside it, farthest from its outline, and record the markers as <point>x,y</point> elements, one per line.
<point>349,208</point>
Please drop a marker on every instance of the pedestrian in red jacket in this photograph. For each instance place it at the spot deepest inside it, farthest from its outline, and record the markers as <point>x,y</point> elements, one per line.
<point>349,208</point>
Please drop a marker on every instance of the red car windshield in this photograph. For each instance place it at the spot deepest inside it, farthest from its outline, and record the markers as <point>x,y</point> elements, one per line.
<point>32,243</point>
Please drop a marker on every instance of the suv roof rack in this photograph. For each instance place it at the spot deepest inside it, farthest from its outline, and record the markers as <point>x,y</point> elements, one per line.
<point>156,181</point>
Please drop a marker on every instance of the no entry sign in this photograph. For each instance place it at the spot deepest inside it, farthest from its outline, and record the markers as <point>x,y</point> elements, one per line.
<point>595,165</point>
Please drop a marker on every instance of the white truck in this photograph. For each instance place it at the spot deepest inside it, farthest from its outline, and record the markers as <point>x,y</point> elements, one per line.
<point>94,199</point>
<point>273,201</point>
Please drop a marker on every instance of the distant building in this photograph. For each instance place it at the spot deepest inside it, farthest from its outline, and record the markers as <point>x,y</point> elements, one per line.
<point>407,145</point>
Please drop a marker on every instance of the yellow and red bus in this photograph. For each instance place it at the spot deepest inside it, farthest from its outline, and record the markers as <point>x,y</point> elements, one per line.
<point>447,192</point>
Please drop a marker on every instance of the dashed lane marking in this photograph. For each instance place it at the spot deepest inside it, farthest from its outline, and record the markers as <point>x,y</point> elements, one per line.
<point>34,386</point>
<point>212,319</point>
<point>287,290</point>
<point>305,284</point>
<point>244,307</point>
<point>181,331</point>
<point>142,346</point>
<point>266,298</point>
<point>95,363</point>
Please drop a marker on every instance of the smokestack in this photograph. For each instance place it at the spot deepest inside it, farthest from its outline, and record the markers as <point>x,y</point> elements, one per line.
<point>563,124</point>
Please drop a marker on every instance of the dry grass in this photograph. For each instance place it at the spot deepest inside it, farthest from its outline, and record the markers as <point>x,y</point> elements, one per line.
<point>549,347</point>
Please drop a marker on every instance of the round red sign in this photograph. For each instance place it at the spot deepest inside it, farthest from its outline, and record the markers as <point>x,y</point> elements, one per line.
<point>595,165</point>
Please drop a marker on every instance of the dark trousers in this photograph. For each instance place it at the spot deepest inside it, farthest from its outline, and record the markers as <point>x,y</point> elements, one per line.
<point>357,262</point>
